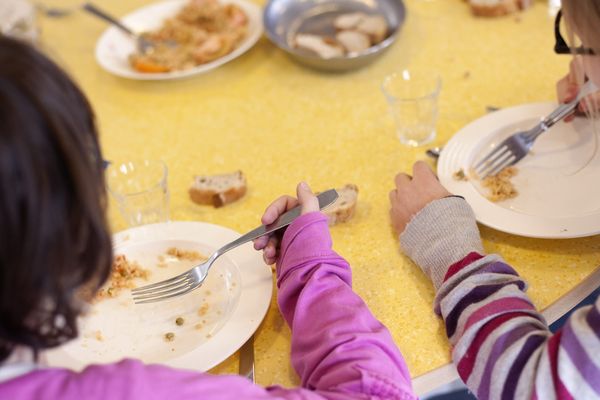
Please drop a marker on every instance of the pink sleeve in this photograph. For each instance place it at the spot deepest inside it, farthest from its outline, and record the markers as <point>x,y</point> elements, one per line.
<point>339,349</point>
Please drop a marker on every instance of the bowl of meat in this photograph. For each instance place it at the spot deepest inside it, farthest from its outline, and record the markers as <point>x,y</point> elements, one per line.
<point>334,35</point>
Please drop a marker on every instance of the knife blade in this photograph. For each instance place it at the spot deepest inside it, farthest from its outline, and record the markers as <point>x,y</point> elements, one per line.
<point>246,353</point>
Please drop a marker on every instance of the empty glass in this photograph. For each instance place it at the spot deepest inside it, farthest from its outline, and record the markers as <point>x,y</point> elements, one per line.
<point>553,7</point>
<point>140,189</point>
<point>413,101</point>
<point>18,20</point>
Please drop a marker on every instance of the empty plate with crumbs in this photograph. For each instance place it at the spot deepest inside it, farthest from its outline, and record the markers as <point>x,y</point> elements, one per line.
<point>196,331</point>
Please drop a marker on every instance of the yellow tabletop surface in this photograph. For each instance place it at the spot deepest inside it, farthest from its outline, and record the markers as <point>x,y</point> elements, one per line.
<point>281,123</point>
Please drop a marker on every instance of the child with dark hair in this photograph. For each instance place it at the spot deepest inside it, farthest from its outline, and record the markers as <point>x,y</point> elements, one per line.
<point>54,242</point>
<point>501,345</point>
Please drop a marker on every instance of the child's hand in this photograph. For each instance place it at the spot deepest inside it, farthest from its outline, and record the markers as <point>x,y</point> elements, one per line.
<point>270,244</point>
<point>413,194</point>
<point>568,87</point>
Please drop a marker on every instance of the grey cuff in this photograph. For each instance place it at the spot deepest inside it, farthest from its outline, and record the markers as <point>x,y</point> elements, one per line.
<point>441,234</point>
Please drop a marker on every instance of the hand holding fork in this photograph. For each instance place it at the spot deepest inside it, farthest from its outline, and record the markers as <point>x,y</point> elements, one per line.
<point>278,215</point>
<point>514,148</point>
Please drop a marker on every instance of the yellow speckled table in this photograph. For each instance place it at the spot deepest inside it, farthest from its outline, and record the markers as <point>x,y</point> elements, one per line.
<point>281,123</point>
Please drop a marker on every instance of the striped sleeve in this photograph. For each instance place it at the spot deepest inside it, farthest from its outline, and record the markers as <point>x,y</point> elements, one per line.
<point>502,345</point>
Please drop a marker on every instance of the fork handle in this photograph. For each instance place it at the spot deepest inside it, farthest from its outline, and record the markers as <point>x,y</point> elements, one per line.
<point>92,9</point>
<point>565,109</point>
<point>325,199</point>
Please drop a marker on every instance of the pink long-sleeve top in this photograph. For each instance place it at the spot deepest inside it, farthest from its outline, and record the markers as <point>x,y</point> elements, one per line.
<point>339,349</point>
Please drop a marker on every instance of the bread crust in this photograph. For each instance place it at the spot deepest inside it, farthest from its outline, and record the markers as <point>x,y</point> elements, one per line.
<point>217,198</point>
<point>504,7</point>
<point>342,211</point>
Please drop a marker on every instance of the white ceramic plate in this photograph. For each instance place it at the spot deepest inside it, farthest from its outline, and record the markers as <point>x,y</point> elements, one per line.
<point>114,47</point>
<point>233,299</point>
<point>559,194</point>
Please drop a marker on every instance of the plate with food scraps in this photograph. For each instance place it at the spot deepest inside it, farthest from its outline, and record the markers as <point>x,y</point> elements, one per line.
<point>193,36</point>
<point>551,193</point>
<point>195,331</point>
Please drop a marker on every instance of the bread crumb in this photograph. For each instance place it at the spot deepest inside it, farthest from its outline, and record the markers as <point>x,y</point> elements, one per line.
<point>169,336</point>
<point>179,321</point>
<point>500,186</point>
<point>203,309</point>
<point>122,276</point>
<point>460,175</point>
<point>187,255</point>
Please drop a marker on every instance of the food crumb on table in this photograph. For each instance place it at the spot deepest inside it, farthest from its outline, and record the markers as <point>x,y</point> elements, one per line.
<point>179,321</point>
<point>169,336</point>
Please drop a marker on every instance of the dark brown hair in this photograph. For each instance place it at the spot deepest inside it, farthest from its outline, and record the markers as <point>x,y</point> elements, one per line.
<point>54,239</point>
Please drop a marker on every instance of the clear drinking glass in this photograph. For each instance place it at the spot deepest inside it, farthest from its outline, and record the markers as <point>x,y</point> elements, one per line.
<point>140,189</point>
<point>413,101</point>
<point>553,7</point>
<point>18,20</point>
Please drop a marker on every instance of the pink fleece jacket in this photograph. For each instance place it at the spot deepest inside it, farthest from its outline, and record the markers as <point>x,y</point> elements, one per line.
<point>339,349</point>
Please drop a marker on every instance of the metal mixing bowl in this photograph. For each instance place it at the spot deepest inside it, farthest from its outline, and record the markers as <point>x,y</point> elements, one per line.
<point>283,19</point>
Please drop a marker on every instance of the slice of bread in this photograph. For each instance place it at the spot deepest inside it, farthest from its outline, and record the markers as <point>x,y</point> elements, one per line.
<point>496,8</point>
<point>343,208</point>
<point>218,190</point>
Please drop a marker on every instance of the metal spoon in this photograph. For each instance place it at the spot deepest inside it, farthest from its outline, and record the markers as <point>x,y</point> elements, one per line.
<point>434,152</point>
<point>144,45</point>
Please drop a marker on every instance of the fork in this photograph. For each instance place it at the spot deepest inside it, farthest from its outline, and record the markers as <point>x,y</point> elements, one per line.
<point>514,148</point>
<point>144,45</point>
<point>192,279</point>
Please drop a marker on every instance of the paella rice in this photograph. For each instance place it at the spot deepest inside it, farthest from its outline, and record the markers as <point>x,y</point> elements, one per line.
<point>203,31</point>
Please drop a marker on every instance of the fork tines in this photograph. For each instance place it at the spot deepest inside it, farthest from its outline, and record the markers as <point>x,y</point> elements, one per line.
<point>177,286</point>
<point>498,159</point>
